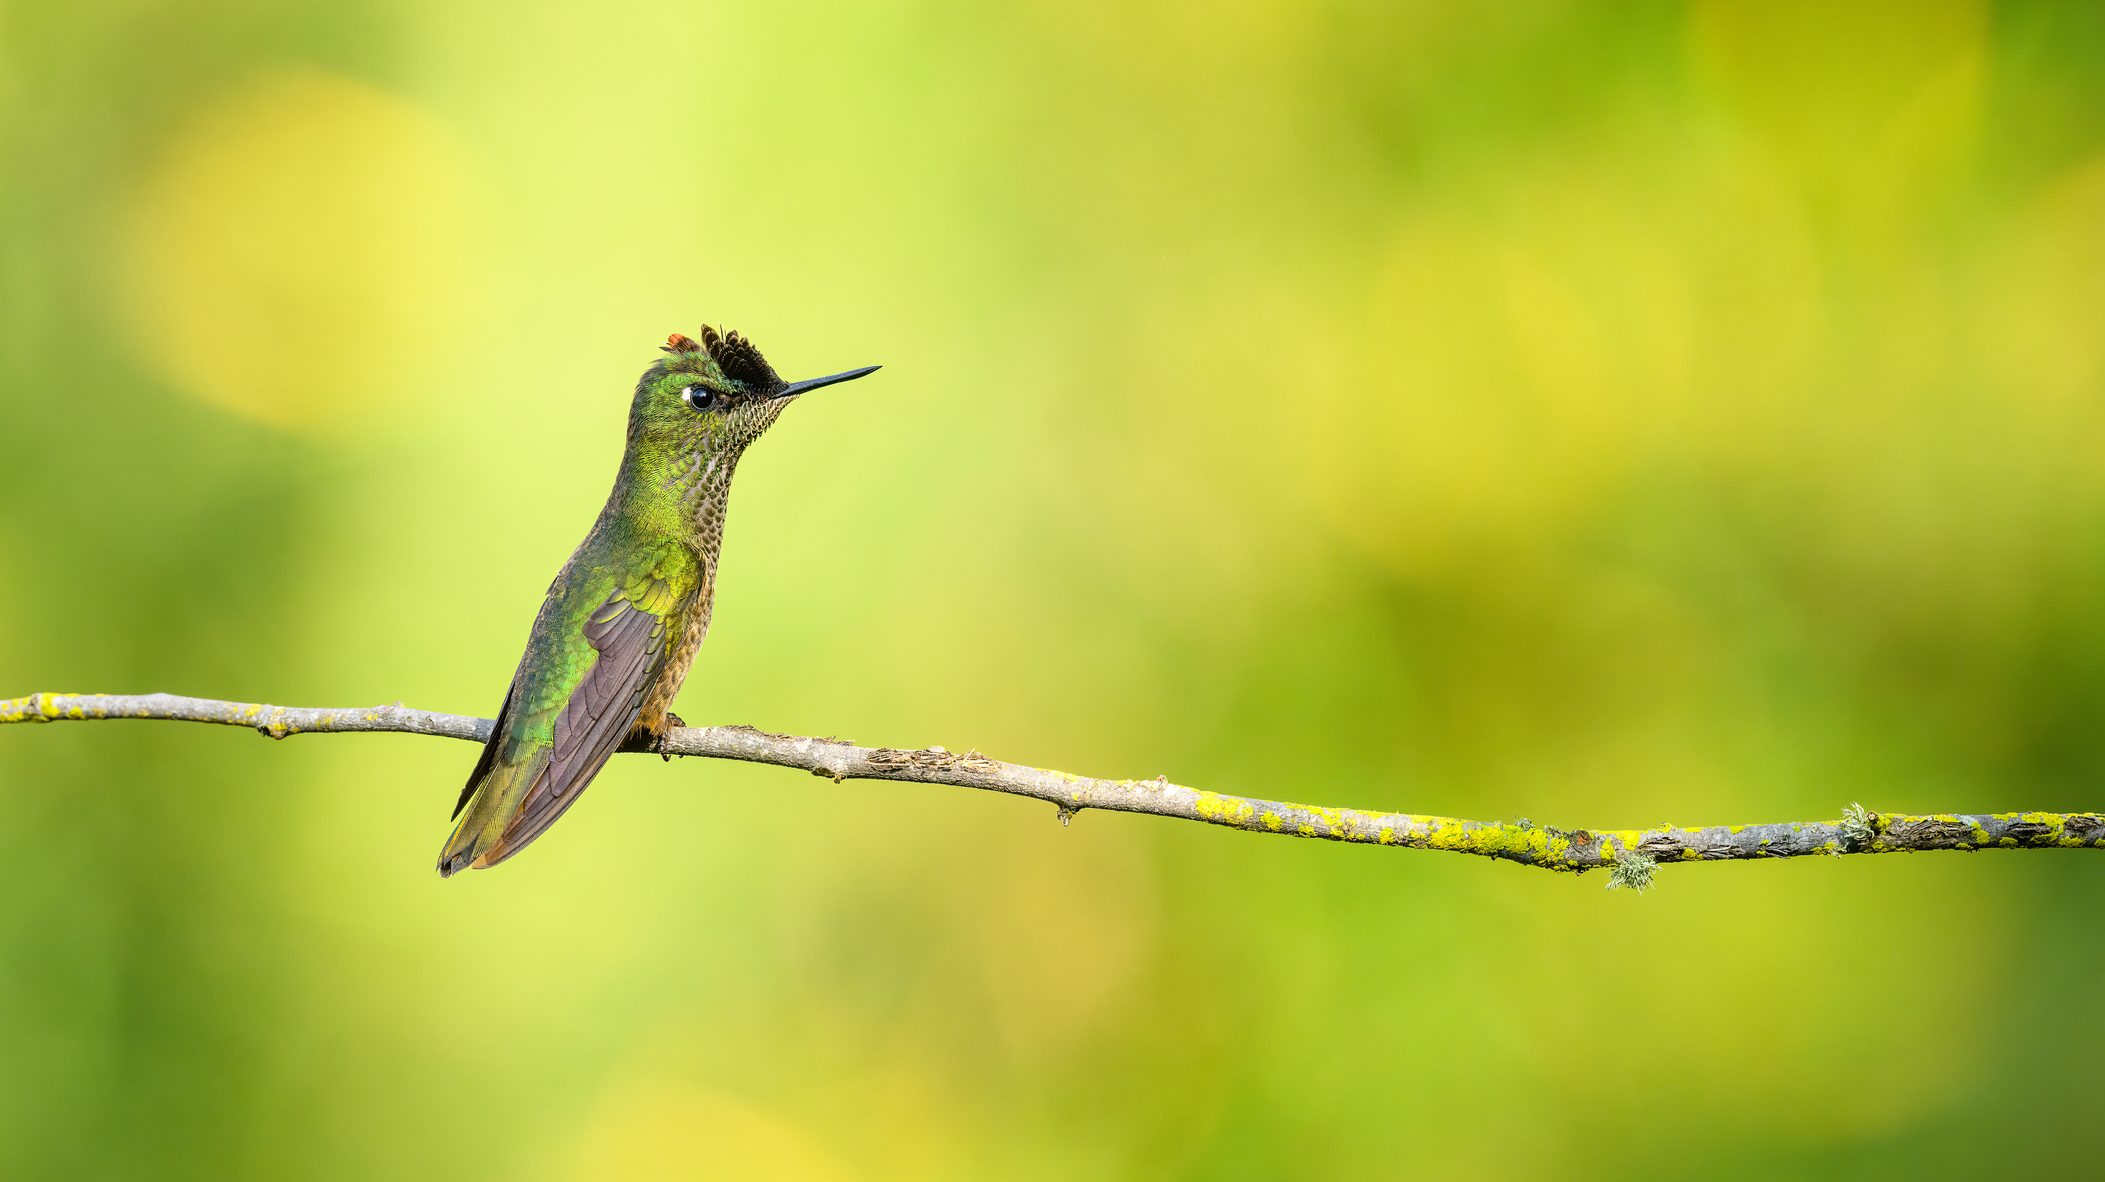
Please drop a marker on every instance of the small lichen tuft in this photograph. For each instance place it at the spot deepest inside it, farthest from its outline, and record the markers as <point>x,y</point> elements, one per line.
<point>1633,871</point>
<point>1859,826</point>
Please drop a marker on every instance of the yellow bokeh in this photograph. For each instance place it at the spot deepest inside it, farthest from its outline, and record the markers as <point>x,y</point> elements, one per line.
<point>668,1130</point>
<point>298,248</point>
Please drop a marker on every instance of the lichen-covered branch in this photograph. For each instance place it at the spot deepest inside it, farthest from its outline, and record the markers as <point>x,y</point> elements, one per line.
<point>1631,854</point>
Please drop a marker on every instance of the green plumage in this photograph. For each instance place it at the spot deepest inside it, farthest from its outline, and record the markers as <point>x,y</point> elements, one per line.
<point>623,619</point>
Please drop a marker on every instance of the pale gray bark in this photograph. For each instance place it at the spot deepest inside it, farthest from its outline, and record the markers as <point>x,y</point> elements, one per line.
<point>1630,853</point>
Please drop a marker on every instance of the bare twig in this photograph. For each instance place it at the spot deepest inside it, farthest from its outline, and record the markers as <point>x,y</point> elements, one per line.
<point>1630,853</point>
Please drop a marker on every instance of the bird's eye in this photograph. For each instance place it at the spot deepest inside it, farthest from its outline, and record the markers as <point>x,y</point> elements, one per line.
<point>698,397</point>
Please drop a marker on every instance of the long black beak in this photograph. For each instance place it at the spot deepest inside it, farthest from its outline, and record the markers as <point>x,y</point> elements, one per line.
<point>810,384</point>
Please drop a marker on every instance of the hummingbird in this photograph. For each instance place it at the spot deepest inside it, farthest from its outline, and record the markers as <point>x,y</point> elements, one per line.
<point>625,616</point>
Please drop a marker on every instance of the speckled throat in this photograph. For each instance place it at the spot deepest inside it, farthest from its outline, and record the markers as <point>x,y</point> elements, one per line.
<point>701,487</point>
<point>700,483</point>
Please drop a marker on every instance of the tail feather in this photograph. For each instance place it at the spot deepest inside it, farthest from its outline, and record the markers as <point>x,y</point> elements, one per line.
<point>491,798</point>
<point>489,751</point>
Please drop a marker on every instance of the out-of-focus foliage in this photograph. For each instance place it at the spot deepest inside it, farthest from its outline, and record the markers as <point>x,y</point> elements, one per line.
<point>1610,414</point>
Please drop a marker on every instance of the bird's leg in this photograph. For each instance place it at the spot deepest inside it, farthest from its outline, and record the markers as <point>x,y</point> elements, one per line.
<point>672,722</point>
<point>656,740</point>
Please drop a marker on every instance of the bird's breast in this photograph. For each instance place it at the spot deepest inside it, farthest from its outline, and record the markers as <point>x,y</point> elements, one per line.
<point>667,687</point>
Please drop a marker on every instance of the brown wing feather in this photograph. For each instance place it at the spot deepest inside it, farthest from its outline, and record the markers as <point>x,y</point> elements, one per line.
<point>598,716</point>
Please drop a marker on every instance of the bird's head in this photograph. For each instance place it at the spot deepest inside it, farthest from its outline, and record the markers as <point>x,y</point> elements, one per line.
<point>714,395</point>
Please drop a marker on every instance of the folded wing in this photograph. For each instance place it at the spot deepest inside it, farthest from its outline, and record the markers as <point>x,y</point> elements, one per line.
<point>533,769</point>
<point>631,647</point>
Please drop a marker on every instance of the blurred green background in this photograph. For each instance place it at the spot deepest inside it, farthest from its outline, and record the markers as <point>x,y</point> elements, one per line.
<point>1609,414</point>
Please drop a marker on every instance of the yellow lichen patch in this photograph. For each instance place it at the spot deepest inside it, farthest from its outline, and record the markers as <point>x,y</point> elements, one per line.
<point>1513,841</point>
<point>1224,810</point>
<point>2058,833</point>
<point>1335,822</point>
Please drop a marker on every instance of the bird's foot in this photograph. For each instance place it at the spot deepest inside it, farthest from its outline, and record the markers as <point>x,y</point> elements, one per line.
<point>664,736</point>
